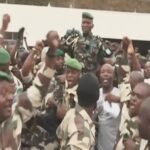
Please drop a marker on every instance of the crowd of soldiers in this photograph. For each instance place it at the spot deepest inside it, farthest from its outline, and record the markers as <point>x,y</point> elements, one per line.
<point>77,92</point>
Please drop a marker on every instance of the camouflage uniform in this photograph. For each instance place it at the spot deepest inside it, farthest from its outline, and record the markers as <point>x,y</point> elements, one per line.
<point>46,123</point>
<point>69,41</point>
<point>70,97</point>
<point>87,50</point>
<point>77,131</point>
<point>42,128</point>
<point>126,121</point>
<point>56,90</point>
<point>130,130</point>
<point>18,85</point>
<point>124,87</point>
<point>90,51</point>
<point>11,129</point>
<point>62,94</point>
<point>128,126</point>
<point>125,91</point>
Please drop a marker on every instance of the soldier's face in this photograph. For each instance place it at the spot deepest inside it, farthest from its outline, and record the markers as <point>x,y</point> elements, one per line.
<point>87,25</point>
<point>6,99</point>
<point>147,70</point>
<point>138,94</point>
<point>106,75</point>
<point>72,77</point>
<point>59,61</point>
<point>144,124</point>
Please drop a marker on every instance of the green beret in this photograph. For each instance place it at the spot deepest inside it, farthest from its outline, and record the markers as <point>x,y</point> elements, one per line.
<point>4,56</point>
<point>73,63</point>
<point>87,15</point>
<point>5,76</point>
<point>59,52</point>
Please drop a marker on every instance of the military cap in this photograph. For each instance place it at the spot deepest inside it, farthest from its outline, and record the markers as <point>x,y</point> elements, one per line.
<point>59,52</point>
<point>87,15</point>
<point>4,56</point>
<point>73,63</point>
<point>5,76</point>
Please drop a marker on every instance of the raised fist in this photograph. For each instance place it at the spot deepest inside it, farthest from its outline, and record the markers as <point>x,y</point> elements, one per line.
<point>6,21</point>
<point>125,43</point>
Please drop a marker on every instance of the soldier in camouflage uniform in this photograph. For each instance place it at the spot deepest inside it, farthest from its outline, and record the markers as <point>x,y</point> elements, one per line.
<point>42,128</point>
<point>144,115</point>
<point>87,48</point>
<point>38,129</point>
<point>90,49</point>
<point>77,130</point>
<point>127,84</point>
<point>125,89</point>
<point>59,77</point>
<point>5,66</point>
<point>129,135</point>
<point>11,126</point>
<point>13,117</point>
<point>65,96</point>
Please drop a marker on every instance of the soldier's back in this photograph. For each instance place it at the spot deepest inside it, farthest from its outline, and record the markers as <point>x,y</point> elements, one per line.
<point>76,130</point>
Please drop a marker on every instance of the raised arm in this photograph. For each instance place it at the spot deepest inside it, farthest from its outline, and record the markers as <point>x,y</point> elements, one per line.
<point>34,95</point>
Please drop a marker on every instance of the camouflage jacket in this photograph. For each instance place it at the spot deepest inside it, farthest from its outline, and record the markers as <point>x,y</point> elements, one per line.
<point>42,128</point>
<point>129,130</point>
<point>62,94</point>
<point>55,90</point>
<point>128,126</point>
<point>77,131</point>
<point>70,96</point>
<point>69,41</point>
<point>125,91</point>
<point>11,129</point>
<point>90,50</point>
